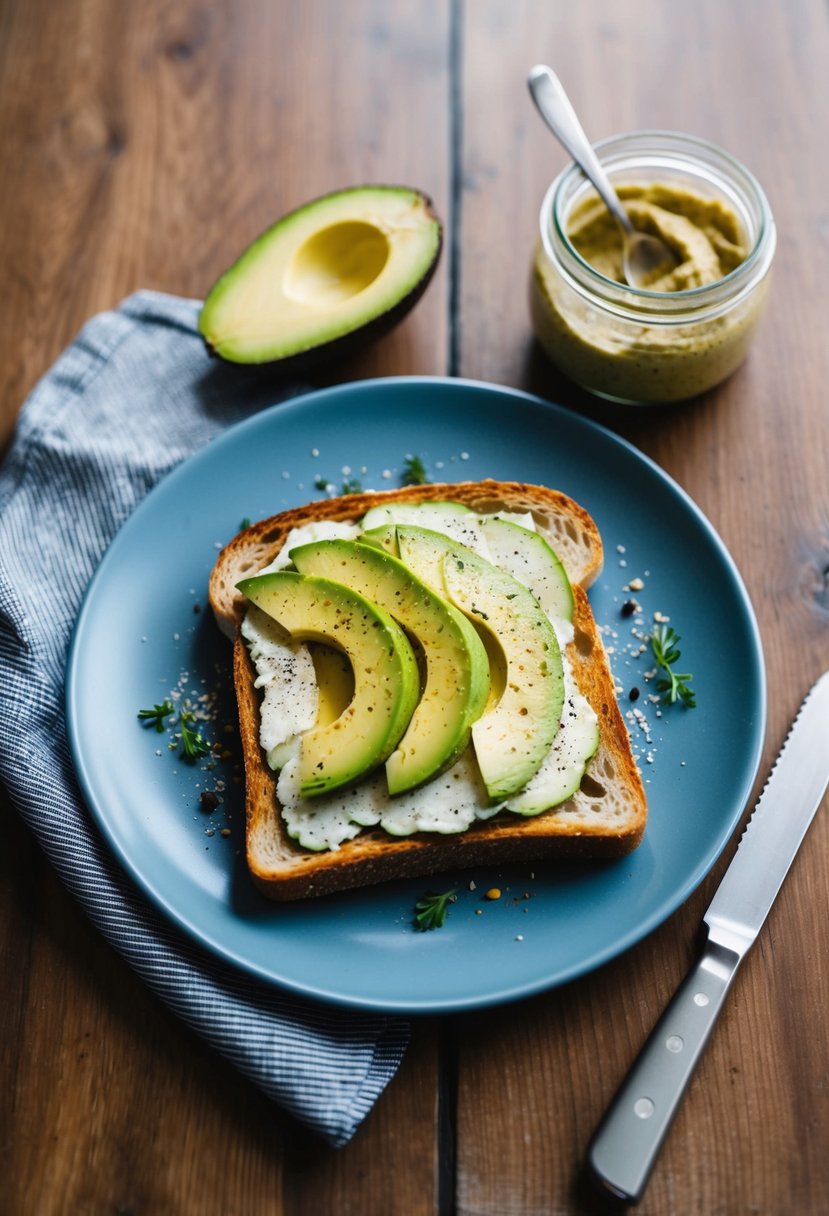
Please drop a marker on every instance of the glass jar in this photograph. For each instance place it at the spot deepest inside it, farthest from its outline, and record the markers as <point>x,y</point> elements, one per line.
<point>640,346</point>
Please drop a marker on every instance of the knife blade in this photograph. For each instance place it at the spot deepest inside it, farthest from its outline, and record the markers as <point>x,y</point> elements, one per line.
<point>626,1143</point>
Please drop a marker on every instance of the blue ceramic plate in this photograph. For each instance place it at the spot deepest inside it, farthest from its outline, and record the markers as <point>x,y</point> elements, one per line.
<point>144,633</point>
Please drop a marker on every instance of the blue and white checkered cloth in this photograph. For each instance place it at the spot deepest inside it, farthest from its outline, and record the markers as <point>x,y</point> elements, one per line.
<point>128,401</point>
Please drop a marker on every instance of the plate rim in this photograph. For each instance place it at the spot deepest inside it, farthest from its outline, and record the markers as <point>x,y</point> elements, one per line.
<point>440,1005</point>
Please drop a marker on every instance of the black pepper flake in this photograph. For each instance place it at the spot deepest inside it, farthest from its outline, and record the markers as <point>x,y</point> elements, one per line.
<point>629,607</point>
<point>208,800</point>
<point>633,695</point>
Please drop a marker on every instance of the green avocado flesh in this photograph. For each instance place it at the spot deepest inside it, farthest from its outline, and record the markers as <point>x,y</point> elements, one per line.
<point>348,265</point>
<point>386,677</point>
<point>512,737</point>
<point>527,556</point>
<point>456,675</point>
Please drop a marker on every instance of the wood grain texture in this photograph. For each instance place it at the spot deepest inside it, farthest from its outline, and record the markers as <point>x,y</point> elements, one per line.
<point>146,145</point>
<point>143,146</point>
<point>755,455</point>
<point>111,1105</point>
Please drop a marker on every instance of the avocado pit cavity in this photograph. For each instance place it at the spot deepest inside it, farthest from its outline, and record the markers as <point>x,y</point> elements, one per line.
<point>336,264</point>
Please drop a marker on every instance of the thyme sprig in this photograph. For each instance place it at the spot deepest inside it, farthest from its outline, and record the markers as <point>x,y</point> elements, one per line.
<point>414,472</point>
<point>674,685</point>
<point>349,485</point>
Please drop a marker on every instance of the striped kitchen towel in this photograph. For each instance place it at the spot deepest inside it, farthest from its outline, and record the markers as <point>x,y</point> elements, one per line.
<point>128,401</point>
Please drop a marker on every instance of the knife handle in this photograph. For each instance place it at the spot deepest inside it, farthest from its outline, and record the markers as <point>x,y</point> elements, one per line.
<point>626,1143</point>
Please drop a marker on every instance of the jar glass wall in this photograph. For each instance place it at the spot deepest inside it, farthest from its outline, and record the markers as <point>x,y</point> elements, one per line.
<point>645,346</point>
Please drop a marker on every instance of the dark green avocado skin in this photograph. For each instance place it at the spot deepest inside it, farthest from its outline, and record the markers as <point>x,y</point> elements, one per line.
<point>320,356</point>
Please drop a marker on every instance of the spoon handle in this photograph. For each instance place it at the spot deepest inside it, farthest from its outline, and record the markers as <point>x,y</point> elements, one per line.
<point>554,107</point>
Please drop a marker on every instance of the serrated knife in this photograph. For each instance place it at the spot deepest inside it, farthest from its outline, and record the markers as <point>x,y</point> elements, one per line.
<point>625,1146</point>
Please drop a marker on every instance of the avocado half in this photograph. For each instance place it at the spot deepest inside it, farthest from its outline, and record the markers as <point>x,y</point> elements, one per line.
<point>333,274</point>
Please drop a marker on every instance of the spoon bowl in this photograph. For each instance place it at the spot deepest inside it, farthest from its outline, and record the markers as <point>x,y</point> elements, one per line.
<point>645,257</point>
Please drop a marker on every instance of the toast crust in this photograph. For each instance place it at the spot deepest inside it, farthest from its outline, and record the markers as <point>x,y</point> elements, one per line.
<point>605,818</point>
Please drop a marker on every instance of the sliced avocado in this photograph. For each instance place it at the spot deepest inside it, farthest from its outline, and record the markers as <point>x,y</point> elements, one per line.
<point>527,557</point>
<point>324,278</point>
<point>423,551</point>
<point>335,682</point>
<point>512,737</point>
<point>451,519</point>
<point>562,769</point>
<point>386,678</point>
<point>384,537</point>
<point>456,679</point>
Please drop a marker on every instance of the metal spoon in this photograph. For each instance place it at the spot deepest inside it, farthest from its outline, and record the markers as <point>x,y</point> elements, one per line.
<point>642,254</point>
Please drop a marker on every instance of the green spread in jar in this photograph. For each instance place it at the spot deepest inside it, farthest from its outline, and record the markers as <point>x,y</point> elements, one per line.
<point>654,346</point>
<point>704,233</point>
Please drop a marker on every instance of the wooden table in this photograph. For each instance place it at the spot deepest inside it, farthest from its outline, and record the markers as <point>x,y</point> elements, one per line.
<point>142,146</point>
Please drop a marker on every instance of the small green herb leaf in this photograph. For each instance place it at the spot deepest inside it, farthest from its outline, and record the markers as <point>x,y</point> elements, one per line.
<point>431,910</point>
<point>350,485</point>
<point>674,685</point>
<point>414,472</point>
<point>156,715</point>
<point>193,740</point>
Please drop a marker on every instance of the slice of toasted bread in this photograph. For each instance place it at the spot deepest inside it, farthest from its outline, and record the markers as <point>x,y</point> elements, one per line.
<point>605,818</point>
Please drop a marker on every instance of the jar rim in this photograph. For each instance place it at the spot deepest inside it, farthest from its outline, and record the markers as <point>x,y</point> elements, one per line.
<point>719,166</point>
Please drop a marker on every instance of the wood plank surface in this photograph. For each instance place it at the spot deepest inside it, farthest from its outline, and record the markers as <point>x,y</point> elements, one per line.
<point>754,453</point>
<point>146,145</point>
<point>143,146</point>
